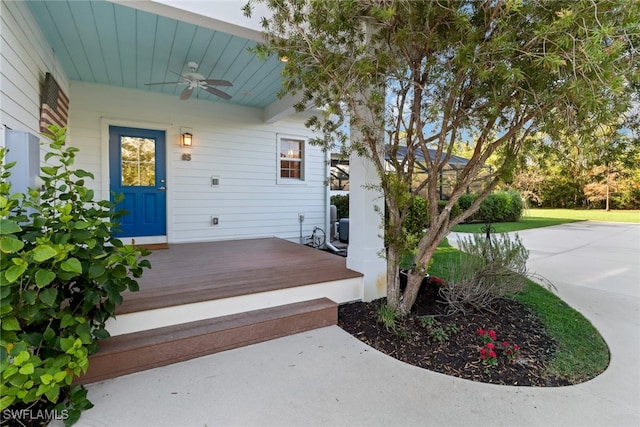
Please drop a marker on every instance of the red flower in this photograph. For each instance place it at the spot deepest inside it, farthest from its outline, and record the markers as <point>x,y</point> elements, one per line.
<point>515,347</point>
<point>436,281</point>
<point>480,331</point>
<point>505,344</point>
<point>490,346</point>
<point>492,334</point>
<point>492,354</point>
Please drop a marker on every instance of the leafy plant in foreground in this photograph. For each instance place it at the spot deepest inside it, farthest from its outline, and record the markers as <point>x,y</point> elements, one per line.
<point>62,275</point>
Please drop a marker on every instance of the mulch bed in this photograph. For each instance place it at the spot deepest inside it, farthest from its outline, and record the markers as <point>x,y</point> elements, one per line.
<point>450,344</point>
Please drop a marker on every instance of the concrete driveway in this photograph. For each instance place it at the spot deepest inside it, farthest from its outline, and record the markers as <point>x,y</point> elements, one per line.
<point>326,377</point>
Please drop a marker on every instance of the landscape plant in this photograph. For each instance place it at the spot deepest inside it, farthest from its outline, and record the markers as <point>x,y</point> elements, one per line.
<point>414,76</point>
<point>62,276</point>
<point>488,352</point>
<point>493,268</point>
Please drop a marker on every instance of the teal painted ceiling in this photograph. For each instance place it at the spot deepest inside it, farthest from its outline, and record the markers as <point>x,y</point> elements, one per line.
<point>112,44</point>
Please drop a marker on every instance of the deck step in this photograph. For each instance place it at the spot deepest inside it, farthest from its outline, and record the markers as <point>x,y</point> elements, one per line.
<point>129,353</point>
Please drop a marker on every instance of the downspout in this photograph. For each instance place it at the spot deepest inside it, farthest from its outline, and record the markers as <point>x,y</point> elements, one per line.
<point>327,195</point>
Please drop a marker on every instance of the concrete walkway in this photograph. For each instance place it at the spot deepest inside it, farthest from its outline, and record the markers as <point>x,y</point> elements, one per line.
<point>326,377</point>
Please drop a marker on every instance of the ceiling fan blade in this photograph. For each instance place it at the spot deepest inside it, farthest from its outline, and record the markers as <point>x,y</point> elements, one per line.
<point>217,82</point>
<point>217,92</point>
<point>163,83</point>
<point>186,93</point>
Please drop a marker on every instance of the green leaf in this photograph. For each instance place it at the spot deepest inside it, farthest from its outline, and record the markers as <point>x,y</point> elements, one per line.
<point>22,357</point>
<point>13,272</point>
<point>119,271</point>
<point>67,320</point>
<point>96,270</point>
<point>49,334</point>
<point>9,371</point>
<point>49,170</point>
<point>53,393</point>
<point>46,379</point>
<point>5,308</point>
<point>48,296</point>
<point>27,369</point>
<point>6,401</point>
<point>59,376</point>
<point>43,253</point>
<point>66,344</point>
<point>44,277</point>
<point>81,225</point>
<point>29,296</point>
<point>8,226</point>
<point>72,265</point>
<point>83,174</point>
<point>10,244</point>
<point>10,324</point>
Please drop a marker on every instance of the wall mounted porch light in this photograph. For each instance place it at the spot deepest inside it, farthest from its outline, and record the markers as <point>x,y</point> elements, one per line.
<point>186,139</point>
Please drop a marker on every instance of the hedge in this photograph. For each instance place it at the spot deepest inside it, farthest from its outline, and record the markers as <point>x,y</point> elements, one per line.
<point>501,206</point>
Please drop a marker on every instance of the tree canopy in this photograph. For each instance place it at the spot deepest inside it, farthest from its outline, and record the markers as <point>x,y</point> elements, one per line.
<point>428,74</point>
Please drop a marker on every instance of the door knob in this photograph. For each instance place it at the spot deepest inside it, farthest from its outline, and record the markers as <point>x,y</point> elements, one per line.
<point>162,188</point>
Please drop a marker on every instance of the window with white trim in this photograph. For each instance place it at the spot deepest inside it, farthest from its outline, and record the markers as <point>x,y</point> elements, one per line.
<point>291,163</point>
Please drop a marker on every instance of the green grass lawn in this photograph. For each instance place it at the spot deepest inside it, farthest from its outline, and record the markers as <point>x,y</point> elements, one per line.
<point>582,214</point>
<point>582,352</point>
<point>536,218</point>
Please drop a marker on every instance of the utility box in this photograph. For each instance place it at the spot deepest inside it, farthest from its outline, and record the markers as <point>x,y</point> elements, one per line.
<point>24,149</point>
<point>343,230</point>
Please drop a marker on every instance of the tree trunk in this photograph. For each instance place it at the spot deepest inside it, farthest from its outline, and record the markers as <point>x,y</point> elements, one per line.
<point>410,294</point>
<point>393,282</point>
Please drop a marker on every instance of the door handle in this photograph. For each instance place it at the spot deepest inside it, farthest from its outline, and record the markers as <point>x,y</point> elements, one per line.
<point>162,188</point>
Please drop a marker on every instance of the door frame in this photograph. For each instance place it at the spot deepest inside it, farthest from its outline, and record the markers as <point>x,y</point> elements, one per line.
<point>170,136</point>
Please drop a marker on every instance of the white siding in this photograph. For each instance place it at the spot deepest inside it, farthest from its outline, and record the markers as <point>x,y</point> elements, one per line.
<point>25,57</point>
<point>230,142</point>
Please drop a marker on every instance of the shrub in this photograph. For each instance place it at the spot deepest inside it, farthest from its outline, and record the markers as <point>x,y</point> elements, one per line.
<point>501,206</point>
<point>490,271</point>
<point>341,203</point>
<point>455,209</point>
<point>516,205</point>
<point>417,217</point>
<point>465,201</point>
<point>62,276</point>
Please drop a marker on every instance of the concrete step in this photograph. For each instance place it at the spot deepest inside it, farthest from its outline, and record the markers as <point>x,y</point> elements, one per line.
<point>134,352</point>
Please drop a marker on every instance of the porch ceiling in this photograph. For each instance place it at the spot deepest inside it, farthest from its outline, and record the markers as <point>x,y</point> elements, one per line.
<point>116,44</point>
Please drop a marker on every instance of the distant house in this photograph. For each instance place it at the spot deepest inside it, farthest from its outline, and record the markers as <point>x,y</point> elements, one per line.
<point>340,173</point>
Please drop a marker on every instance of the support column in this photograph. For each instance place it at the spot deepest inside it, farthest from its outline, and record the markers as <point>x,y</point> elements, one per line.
<point>366,243</point>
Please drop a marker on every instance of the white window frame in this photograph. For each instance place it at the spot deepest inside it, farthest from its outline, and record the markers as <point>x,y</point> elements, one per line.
<point>303,160</point>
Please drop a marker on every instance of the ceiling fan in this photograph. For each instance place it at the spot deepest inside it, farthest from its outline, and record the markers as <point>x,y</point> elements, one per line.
<point>194,80</point>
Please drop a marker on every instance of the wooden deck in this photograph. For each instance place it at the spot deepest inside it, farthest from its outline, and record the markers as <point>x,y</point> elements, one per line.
<point>201,298</point>
<point>196,272</point>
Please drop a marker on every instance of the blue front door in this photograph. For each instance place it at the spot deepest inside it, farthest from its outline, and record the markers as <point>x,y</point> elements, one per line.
<point>138,171</point>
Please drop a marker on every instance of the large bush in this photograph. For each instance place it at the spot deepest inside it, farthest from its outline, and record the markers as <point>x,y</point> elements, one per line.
<point>501,206</point>
<point>62,275</point>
